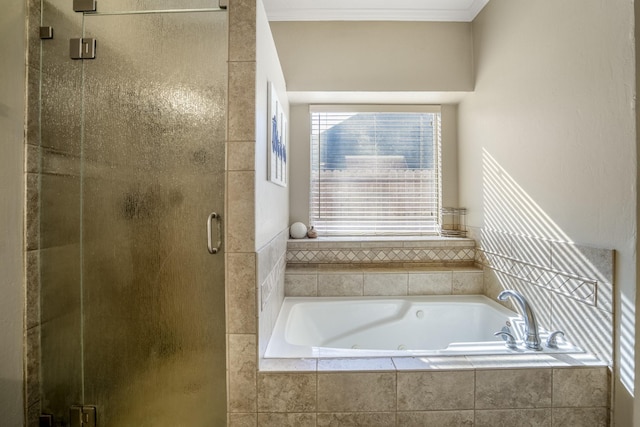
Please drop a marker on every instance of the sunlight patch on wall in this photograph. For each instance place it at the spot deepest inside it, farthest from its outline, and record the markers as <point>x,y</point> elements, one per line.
<point>570,286</point>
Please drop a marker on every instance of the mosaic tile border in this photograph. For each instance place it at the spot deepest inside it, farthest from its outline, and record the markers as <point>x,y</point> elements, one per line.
<point>581,273</point>
<point>581,289</point>
<point>297,254</point>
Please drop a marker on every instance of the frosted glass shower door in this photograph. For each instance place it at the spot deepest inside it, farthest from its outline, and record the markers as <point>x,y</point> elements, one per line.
<point>152,130</point>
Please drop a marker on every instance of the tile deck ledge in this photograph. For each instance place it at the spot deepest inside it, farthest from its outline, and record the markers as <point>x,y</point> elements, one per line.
<point>397,364</point>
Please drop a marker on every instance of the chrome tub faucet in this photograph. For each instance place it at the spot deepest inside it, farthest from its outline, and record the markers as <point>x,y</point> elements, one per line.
<point>532,337</point>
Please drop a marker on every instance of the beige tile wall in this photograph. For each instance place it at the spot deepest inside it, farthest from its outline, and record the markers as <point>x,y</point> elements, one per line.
<point>329,280</point>
<point>529,397</point>
<point>241,257</point>
<point>271,286</point>
<point>563,281</point>
<point>255,290</point>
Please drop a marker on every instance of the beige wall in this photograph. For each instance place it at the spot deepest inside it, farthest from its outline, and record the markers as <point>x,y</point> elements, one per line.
<point>272,201</point>
<point>449,155</point>
<point>553,111</point>
<point>299,153</point>
<point>12,106</point>
<point>375,56</point>
<point>257,209</point>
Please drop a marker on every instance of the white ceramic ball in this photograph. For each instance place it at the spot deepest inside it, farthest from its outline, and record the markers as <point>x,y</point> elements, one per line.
<point>298,230</point>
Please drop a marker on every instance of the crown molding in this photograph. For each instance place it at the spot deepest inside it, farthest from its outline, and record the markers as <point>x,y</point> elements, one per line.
<point>363,14</point>
<point>401,98</point>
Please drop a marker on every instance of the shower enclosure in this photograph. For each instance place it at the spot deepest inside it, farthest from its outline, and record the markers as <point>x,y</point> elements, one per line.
<point>132,145</point>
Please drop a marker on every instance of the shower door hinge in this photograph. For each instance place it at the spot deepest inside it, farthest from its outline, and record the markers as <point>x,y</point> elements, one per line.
<point>84,5</point>
<point>46,32</point>
<point>46,420</point>
<point>82,48</point>
<point>82,416</point>
<point>223,4</point>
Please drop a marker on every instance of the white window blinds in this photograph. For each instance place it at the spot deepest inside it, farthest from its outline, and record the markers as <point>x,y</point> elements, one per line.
<point>375,172</point>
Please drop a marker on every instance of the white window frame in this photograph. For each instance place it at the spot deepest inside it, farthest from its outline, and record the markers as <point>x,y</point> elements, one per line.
<point>314,187</point>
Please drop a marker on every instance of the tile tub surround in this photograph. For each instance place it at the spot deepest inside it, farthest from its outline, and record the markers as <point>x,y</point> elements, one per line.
<point>394,392</point>
<point>439,391</point>
<point>255,292</point>
<point>336,281</point>
<point>271,266</point>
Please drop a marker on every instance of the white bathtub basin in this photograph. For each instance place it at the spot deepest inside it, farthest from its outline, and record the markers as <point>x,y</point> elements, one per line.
<point>392,327</point>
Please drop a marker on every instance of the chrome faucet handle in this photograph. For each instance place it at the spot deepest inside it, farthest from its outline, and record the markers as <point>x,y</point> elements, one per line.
<point>508,337</point>
<point>552,339</point>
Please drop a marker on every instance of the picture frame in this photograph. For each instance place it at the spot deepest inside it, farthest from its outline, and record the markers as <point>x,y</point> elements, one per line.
<point>276,139</point>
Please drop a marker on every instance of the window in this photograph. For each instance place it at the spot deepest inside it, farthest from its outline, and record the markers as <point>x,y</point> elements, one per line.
<point>375,171</point>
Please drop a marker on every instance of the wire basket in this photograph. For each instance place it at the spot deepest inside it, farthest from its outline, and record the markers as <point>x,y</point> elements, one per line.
<point>454,222</point>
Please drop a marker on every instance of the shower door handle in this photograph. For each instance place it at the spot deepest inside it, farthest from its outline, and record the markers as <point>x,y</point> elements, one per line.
<point>213,249</point>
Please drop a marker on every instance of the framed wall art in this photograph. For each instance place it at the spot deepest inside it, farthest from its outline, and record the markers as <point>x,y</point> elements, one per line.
<point>277,140</point>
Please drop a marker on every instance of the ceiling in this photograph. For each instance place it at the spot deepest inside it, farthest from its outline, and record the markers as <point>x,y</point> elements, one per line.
<point>373,10</point>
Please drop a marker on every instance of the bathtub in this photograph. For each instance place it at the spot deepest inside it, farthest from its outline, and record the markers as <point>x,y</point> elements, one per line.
<point>441,325</point>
